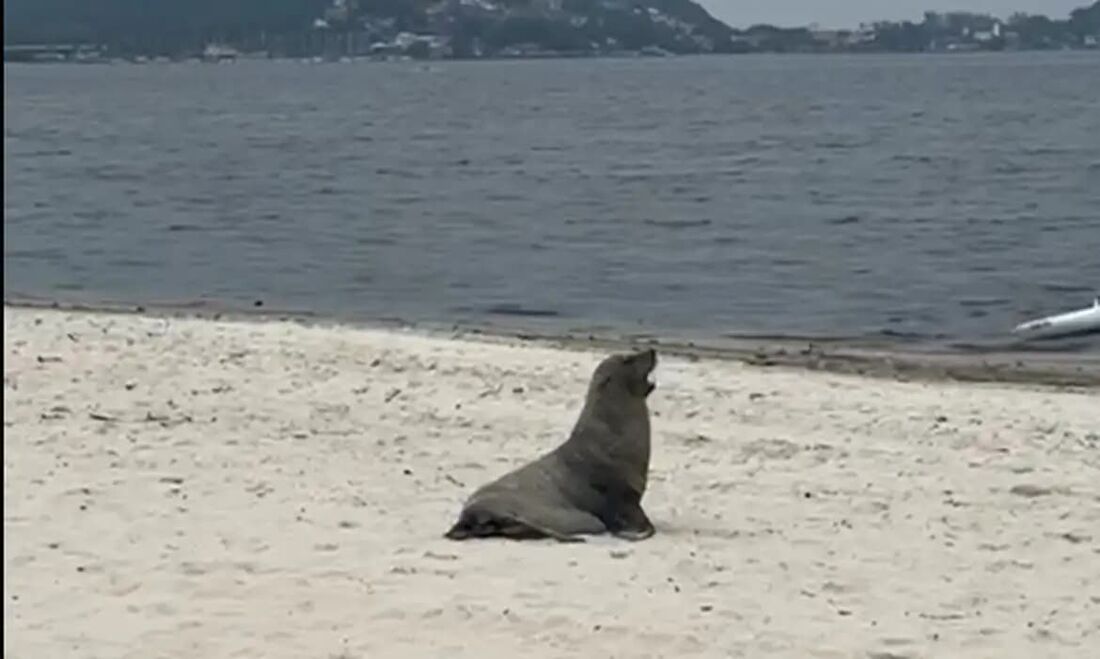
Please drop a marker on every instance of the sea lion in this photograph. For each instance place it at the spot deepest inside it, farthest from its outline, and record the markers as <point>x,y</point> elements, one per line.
<point>591,484</point>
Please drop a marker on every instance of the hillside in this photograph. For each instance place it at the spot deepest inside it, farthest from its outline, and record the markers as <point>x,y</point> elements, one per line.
<point>447,27</point>
<point>494,28</point>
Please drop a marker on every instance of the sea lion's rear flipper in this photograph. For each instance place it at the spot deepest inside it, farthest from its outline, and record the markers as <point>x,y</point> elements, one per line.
<point>525,523</point>
<point>565,524</point>
<point>476,524</point>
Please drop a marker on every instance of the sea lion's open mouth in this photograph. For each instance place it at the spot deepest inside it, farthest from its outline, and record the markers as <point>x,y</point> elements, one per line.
<point>650,377</point>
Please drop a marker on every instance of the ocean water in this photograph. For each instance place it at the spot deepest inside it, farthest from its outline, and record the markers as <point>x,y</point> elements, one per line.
<point>918,199</point>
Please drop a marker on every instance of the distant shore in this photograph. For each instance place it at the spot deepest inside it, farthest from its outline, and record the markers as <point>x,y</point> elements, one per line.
<point>477,29</point>
<point>874,359</point>
<point>145,60</point>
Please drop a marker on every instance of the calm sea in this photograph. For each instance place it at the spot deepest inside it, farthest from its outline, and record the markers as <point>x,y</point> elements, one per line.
<point>924,199</point>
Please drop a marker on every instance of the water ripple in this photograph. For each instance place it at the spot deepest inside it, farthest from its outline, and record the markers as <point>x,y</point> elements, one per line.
<point>917,199</point>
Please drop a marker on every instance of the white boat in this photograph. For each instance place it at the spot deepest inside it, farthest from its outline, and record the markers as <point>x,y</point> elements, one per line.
<point>1081,321</point>
<point>216,52</point>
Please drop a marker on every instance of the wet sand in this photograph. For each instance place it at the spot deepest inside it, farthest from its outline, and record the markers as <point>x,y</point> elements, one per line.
<point>1001,362</point>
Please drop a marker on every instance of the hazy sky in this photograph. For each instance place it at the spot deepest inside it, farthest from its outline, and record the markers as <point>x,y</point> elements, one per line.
<point>849,13</point>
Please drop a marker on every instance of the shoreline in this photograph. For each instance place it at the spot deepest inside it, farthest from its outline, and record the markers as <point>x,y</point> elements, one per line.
<point>845,357</point>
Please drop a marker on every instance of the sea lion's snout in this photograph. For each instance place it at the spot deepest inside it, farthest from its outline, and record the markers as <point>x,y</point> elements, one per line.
<point>644,362</point>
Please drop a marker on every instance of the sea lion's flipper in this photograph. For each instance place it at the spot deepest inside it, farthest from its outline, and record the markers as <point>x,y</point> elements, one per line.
<point>565,524</point>
<point>635,535</point>
<point>483,525</point>
<point>631,523</point>
<point>524,523</point>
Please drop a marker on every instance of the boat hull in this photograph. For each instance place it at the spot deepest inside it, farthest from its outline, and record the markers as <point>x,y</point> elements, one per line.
<point>1072,323</point>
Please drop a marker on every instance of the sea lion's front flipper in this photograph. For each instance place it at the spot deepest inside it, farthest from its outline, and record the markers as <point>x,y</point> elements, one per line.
<point>631,523</point>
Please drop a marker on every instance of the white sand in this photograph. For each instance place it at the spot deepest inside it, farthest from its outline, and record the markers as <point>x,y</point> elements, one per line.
<point>189,488</point>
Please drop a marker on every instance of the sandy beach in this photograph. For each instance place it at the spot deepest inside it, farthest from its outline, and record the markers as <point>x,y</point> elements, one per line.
<point>181,487</point>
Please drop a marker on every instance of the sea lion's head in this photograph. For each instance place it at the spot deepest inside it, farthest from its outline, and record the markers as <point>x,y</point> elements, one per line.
<point>628,373</point>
